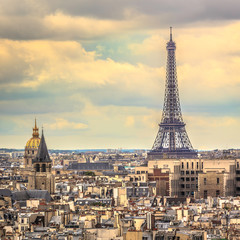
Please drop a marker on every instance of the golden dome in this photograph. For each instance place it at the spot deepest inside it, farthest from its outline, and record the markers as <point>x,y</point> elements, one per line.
<point>35,140</point>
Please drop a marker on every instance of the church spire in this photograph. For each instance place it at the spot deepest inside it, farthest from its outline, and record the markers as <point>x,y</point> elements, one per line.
<point>35,130</point>
<point>42,154</point>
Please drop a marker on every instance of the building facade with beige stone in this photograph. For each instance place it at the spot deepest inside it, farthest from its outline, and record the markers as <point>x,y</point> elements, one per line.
<point>198,177</point>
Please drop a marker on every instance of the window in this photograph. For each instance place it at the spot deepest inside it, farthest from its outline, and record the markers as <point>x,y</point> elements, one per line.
<point>205,181</point>
<point>182,172</point>
<point>182,165</point>
<point>192,165</point>
<point>44,167</point>
<point>32,151</point>
<point>192,172</point>
<point>187,172</point>
<point>205,194</point>
<point>22,220</point>
<point>182,178</point>
<point>138,172</point>
<point>202,165</point>
<point>192,185</point>
<point>187,179</point>
<point>182,186</point>
<point>237,164</point>
<point>192,179</point>
<point>197,165</point>
<point>217,193</point>
<point>187,165</point>
<point>187,185</point>
<point>217,180</point>
<point>37,167</point>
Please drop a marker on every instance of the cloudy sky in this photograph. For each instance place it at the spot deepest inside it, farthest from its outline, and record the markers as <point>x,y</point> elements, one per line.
<point>93,72</point>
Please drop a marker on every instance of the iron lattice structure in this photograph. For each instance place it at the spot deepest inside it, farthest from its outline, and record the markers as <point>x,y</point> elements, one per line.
<point>172,140</point>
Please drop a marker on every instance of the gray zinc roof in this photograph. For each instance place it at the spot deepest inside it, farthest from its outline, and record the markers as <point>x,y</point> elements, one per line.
<point>31,194</point>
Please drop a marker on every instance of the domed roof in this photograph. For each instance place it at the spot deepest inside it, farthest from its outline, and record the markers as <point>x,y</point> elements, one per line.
<point>33,143</point>
<point>35,140</point>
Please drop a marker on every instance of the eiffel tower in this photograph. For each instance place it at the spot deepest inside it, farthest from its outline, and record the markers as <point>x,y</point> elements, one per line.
<point>172,140</point>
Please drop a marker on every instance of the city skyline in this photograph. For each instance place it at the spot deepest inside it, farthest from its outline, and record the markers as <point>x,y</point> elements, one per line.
<point>95,78</point>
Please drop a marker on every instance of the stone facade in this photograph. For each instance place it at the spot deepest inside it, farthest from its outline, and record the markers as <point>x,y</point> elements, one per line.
<point>199,177</point>
<point>41,181</point>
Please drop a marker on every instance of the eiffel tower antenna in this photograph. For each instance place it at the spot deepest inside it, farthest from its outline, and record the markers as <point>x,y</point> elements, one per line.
<point>172,140</point>
<point>170,33</point>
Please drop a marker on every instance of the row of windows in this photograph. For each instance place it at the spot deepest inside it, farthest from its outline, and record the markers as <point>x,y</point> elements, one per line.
<point>187,165</point>
<point>137,189</point>
<point>24,228</point>
<point>41,168</point>
<point>187,193</point>
<point>188,179</point>
<point>137,194</point>
<point>29,151</point>
<point>136,179</point>
<point>189,186</point>
<point>23,220</point>
<point>138,172</point>
<point>189,172</point>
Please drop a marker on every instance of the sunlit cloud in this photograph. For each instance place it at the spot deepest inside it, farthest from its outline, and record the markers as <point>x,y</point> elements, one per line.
<point>130,121</point>
<point>65,124</point>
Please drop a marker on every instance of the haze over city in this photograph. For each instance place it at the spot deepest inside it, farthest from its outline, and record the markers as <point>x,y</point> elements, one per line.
<point>93,72</point>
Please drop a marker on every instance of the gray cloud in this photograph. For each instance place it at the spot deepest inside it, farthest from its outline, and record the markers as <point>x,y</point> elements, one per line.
<point>28,19</point>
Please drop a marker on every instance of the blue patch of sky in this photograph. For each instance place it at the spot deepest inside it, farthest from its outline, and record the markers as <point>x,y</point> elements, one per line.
<point>9,127</point>
<point>116,48</point>
<point>221,109</point>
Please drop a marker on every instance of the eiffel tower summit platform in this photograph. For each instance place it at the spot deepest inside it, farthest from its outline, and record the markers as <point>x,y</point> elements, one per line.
<point>172,140</point>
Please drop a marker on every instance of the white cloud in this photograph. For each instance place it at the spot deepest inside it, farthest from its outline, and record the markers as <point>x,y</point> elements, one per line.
<point>65,124</point>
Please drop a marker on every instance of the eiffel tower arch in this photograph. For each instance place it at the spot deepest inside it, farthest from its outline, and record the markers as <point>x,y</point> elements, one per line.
<point>172,140</point>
